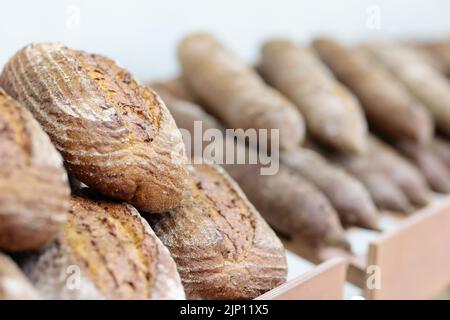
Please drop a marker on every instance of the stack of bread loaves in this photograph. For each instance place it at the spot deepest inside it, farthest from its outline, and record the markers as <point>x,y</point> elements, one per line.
<point>62,107</point>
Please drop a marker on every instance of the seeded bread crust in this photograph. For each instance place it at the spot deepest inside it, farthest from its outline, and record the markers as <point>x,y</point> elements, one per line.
<point>106,251</point>
<point>115,136</point>
<point>222,246</point>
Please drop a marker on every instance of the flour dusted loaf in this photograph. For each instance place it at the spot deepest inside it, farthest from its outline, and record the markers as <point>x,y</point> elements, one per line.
<point>106,251</point>
<point>222,246</point>
<point>116,136</point>
<point>34,190</point>
<point>13,283</point>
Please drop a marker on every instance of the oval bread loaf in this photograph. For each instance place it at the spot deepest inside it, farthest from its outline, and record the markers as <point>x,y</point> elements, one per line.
<point>106,251</point>
<point>222,246</point>
<point>13,283</point>
<point>116,136</point>
<point>34,190</point>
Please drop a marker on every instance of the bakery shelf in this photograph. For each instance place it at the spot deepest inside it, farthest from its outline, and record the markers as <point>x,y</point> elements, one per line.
<point>324,282</point>
<point>412,254</point>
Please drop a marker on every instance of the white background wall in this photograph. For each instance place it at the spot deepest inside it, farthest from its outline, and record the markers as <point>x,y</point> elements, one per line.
<point>143,35</point>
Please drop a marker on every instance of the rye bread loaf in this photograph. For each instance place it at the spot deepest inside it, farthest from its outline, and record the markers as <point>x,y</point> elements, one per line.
<point>388,105</point>
<point>34,190</point>
<point>116,136</point>
<point>14,285</point>
<point>233,92</point>
<point>332,113</point>
<point>106,251</point>
<point>222,246</point>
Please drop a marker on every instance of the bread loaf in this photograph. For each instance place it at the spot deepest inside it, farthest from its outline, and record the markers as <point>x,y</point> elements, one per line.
<point>432,167</point>
<point>347,195</point>
<point>388,105</point>
<point>332,114</point>
<point>428,85</point>
<point>441,148</point>
<point>234,92</point>
<point>13,283</point>
<point>106,251</point>
<point>115,136</point>
<point>34,190</point>
<point>222,246</point>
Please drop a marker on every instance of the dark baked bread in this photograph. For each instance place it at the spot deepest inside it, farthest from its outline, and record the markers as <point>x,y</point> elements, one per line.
<point>34,191</point>
<point>107,251</point>
<point>222,246</point>
<point>115,136</point>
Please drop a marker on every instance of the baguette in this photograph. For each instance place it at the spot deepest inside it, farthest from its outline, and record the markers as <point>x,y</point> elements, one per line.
<point>428,85</point>
<point>13,283</point>
<point>222,246</point>
<point>332,114</point>
<point>347,195</point>
<point>292,205</point>
<point>400,171</point>
<point>384,192</point>
<point>234,92</point>
<point>34,189</point>
<point>116,136</point>
<point>106,251</point>
<point>432,167</point>
<point>175,87</point>
<point>388,105</point>
<point>441,148</point>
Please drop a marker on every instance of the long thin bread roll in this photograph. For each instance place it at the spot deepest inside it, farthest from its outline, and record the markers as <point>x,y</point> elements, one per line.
<point>432,167</point>
<point>388,105</point>
<point>234,92</point>
<point>332,114</point>
<point>347,195</point>
<point>441,148</point>
<point>423,81</point>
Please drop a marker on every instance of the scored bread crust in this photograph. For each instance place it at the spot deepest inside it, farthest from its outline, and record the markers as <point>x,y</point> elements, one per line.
<point>115,136</point>
<point>34,190</point>
<point>222,246</point>
<point>107,251</point>
<point>13,283</point>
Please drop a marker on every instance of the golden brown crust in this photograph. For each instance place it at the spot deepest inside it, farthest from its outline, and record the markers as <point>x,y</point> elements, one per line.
<point>115,135</point>
<point>13,283</point>
<point>114,253</point>
<point>222,246</point>
<point>34,190</point>
<point>387,104</point>
<point>332,114</point>
<point>234,92</point>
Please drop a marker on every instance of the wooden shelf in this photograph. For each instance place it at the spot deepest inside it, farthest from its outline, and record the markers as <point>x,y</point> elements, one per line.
<point>324,282</point>
<point>413,256</point>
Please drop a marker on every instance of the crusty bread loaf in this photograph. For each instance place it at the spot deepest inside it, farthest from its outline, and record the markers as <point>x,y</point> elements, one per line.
<point>347,195</point>
<point>115,136</point>
<point>106,251</point>
<point>388,105</point>
<point>332,114</point>
<point>34,190</point>
<point>13,283</point>
<point>424,82</point>
<point>222,246</point>
<point>234,92</point>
